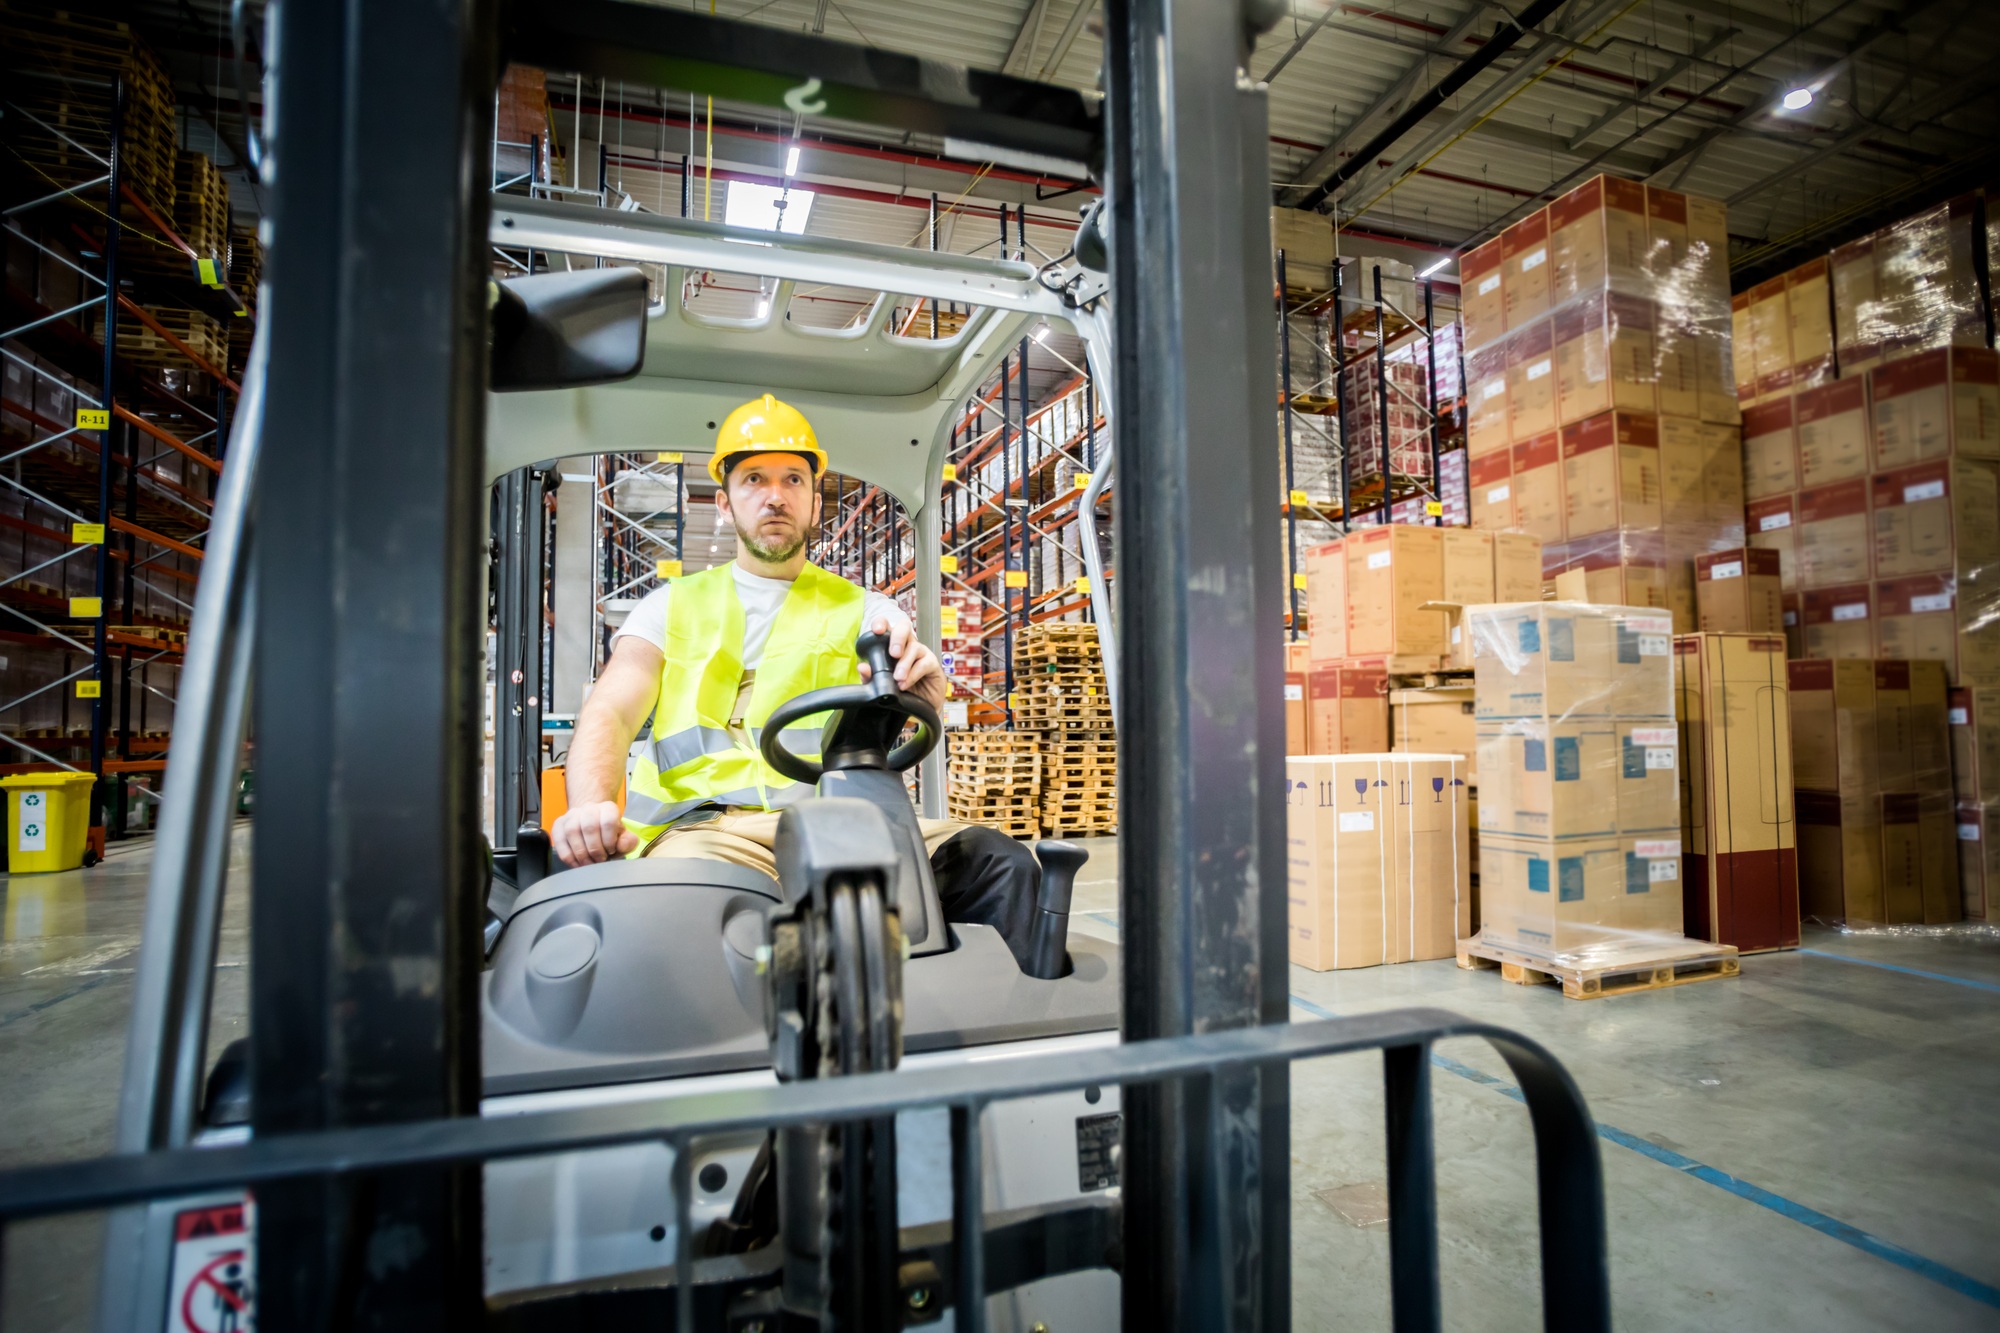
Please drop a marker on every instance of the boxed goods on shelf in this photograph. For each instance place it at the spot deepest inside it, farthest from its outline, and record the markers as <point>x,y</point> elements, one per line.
<point>1739,592</point>
<point>1834,432</point>
<point>1538,487</point>
<point>1771,449</point>
<point>1392,572</point>
<point>1935,404</point>
<point>1379,859</point>
<point>1306,238</point>
<point>1739,833</point>
<point>1838,623</point>
<point>1298,665</point>
<point>1436,721</point>
<point>1347,708</point>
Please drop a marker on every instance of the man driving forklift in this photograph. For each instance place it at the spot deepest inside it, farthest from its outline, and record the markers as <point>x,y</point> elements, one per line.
<point>708,657</point>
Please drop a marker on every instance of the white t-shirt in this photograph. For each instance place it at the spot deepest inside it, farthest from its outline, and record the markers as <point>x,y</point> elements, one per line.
<point>762,598</point>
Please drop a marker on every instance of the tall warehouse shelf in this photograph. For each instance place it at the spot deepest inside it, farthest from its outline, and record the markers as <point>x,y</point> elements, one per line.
<point>122,323</point>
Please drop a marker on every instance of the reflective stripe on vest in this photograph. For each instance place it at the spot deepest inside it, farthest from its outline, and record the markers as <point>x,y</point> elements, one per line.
<point>692,760</point>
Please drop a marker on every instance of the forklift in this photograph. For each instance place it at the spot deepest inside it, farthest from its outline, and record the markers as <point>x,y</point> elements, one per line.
<point>399,1081</point>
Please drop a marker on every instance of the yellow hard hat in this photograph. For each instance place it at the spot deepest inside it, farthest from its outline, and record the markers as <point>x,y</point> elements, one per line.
<point>765,426</point>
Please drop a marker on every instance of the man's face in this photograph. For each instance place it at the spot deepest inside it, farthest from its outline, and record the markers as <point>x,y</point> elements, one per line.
<point>771,500</point>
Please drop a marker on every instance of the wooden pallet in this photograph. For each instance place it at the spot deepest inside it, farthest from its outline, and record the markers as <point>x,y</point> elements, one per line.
<point>1063,829</point>
<point>1431,680</point>
<point>1670,965</point>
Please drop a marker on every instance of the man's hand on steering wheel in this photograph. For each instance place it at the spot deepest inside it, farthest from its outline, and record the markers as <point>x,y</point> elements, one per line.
<point>917,668</point>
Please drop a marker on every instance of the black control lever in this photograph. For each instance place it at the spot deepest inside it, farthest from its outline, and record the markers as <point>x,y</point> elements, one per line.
<point>873,649</point>
<point>531,855</point>
<point>1048,939</point>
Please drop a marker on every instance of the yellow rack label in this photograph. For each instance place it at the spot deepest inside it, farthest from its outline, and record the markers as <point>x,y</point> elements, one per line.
<point>1082,480</point>
<point>86,534</point>
<point>89,689</point>
<point>948,620</point>
<point>86,608</point>
<point>1300,498</point>
<point>1434,508</point>
<point>670,458</point>
<point>1016,578</point>
<point>1299,582</point>
<point>1013,701</point>
<point>93,418</point>
<point>1083,586</point>
<point>667,569</point>
<point>951,472</point>
<point>948,564</point>
<point>206,273</point>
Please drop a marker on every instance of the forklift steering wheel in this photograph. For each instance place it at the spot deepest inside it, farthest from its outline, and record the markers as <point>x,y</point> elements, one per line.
<point>872,717</point>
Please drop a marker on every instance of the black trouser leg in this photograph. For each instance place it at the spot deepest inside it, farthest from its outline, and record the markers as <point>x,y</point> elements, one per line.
<point>986,878</point>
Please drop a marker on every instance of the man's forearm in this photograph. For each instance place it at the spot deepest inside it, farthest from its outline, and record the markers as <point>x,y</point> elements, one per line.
<point>595,769</point>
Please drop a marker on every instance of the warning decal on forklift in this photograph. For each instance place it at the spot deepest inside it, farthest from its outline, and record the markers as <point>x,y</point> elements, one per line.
<point>1096,1151</point>
<point>211,1289</point>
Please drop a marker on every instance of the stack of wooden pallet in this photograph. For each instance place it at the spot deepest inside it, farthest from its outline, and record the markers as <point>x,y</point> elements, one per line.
<point>143,345</point>
<point>59,66</point>
<point>1062,698</point>
<point>996,778</point>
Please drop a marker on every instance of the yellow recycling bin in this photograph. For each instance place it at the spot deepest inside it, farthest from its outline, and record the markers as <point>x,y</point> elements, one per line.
<point>48,820</point>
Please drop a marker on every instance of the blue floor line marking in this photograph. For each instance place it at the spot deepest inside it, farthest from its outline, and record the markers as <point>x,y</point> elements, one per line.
<point>1909,971</point>
<point>1944,1275</point>
<point>52,1001</point>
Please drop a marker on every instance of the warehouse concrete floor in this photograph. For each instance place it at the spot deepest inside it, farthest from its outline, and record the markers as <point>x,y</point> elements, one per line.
<point>1812,1145</point>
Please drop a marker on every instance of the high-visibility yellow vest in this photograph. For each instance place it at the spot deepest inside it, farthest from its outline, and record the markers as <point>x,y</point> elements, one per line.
<point>691,758</point>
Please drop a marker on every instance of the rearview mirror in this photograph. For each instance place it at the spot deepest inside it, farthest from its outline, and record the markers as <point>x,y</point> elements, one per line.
<point>567,330</point>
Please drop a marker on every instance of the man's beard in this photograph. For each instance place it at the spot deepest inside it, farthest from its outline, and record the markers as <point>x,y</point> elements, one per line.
<point>774,554</point>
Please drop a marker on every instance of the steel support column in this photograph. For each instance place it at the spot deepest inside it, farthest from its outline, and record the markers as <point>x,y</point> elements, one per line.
<point>365,913</point>
<point>1201,837</point>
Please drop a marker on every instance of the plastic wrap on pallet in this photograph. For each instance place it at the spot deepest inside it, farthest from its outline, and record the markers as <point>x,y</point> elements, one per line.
<point>1926,288</point>
<point>1579,809</point>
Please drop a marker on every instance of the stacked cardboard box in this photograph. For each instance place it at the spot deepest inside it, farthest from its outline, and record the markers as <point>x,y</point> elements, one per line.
<point>1973,713</point>
<point>1871,759</point>
<point>1579,809</point>
<point>1600,413</point>
<point>1739,836</point>
<point>961,644</point>
<point>1377,858</point>
<point>1306,238</point>
<point>1877,493</point>
<point>1390,598</point>
<point>1914,286</point>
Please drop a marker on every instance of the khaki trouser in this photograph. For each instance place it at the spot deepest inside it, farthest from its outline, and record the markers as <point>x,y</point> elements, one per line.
<point>745,837</point>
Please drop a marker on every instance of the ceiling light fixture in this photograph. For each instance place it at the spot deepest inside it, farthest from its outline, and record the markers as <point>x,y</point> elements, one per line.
<point>792,160</point>
<point>1438,267</point>
<point>1798,99</point>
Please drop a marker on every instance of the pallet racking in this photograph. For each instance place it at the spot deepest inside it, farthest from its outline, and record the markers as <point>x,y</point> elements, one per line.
<point>117,351</point>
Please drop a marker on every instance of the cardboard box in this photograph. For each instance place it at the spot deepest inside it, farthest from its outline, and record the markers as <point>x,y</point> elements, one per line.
<point>1770,337</point>
<point>1839,623</point>
<point>1743,364</point>
<point>1647,777</point>
<point>1973,715</point>
<point>1517,567</point>
<point>1857,339</point>
<point>1598,241</point>
<point>1977,832</point>
<point>1684,465</point>
<point>1392,571</point>
<point>1739,867</point>
<point>1540,778</point>
<point>1835,547</point>
<point>1483,305</point>
<point>1379,859</point>
<point>1936,403</point>
<point>1837,798</point>
<point>1466,557</point>
<point>1611,474</point>
<point>1538,487</point>
<point>1306,238</point>
<point>1935,517</point>
<point>1524,260</point>
<point>1596,897</point>
<point>1298,667</point>
<point>1795,625</point>
<point>1326,601</point>
<point>1569,661</point>
<point>1489,483</point>
<point>1486,421</point>
<point>1666,234</point>
<point>1834,432</point>
<point>1605,357</point>
<point>1614,573</point>
<point>1531,380</point>
<point>1916,619</point>
<point>1722,480</point>
<point>1771,525</point>
<point>1930,764</point>
<point>1739,592</point>
<point>1770,449</point>
<point>1437,721</point>
<point>1809,310</point>
<point>1347,709</point>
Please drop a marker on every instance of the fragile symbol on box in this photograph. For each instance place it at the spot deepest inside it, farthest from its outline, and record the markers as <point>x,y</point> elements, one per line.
<point>211,1290</point>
